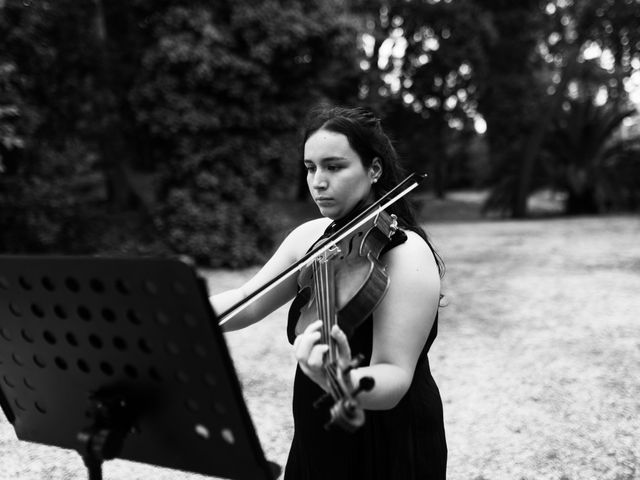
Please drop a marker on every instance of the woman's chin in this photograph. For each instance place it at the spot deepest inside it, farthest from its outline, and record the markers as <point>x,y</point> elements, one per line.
<point>329,212</point>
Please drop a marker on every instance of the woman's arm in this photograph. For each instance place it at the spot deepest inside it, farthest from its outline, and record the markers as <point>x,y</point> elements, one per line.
<point>402,323</point>
<point>292,248</point>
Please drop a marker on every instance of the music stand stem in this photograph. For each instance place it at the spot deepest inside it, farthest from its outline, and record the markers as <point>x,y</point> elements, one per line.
<point>94,467</point>
<point>112,419</point>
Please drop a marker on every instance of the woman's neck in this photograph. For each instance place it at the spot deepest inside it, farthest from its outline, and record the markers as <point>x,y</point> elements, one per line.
<point>354,212</point>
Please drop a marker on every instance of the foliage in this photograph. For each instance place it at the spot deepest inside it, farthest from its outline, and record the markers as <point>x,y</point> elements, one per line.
<point>203,96</point>
<point>38,214</point>
<point>422,69</point>
<point>221,94</point>
<point>34,181</point>
<point>509,93</point>
<point>55,173</point>
<point>10,137</point>
<point>554,61</point>
<point>180,118</point>
<point>587,158</point>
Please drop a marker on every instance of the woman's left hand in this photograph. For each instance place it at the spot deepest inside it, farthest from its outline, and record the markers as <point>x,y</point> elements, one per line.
<point>310,353</point>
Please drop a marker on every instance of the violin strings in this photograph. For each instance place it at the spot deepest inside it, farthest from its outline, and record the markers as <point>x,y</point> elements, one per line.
<point>332,320</point>
<point>324,307</point>
<point>327,306</point>
<point>331,317</point>
<point>320,297</point>
<point>334,384</point>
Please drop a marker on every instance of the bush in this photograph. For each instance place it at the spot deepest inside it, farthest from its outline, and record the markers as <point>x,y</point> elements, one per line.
<point>221,92</point>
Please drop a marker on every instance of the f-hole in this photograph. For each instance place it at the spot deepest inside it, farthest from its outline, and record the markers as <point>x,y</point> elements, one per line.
<point>350,245</point>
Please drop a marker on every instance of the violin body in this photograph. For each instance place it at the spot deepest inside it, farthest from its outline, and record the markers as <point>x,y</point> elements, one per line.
<point>360,279</point>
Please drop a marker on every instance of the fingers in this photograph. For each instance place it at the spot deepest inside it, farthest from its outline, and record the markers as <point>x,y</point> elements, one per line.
<point>305,342</point>
<point>344,351</point>
<point>315,360</point>
<point>310,354</point>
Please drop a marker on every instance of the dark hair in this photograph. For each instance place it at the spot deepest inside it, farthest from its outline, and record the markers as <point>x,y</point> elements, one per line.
<point>365,136</point>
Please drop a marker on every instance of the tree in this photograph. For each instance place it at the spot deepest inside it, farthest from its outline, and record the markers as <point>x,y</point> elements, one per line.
<point>552,56</point>
<point>509,93</point>
<point>11,105</point>
<point>422,60</point>
<point>71,122</point>
<point>586,157</point>
<point>205,98</point>
<point>221,96</point>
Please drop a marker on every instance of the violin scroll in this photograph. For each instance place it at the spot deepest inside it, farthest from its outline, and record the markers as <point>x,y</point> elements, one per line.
<point>345,412</point>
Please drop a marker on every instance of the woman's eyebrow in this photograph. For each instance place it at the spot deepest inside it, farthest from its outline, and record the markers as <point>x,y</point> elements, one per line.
<point>326,159</point>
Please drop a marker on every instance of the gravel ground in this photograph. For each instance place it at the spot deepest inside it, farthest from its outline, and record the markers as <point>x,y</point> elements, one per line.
<point>537,358</point>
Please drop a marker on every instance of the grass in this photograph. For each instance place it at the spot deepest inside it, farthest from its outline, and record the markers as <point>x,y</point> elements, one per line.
<point>537,356</point>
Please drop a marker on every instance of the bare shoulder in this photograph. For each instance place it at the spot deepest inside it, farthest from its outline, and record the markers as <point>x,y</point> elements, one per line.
<point>303,236</point>
<point>414,261</point>
<point>317,225</point>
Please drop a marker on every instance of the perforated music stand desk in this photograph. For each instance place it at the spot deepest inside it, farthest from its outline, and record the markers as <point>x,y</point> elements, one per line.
<point>123,358</point>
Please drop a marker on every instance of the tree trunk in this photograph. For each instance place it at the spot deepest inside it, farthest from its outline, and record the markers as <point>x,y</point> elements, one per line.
<point>119,193</point>
<point>439,159</point>
<point>533,144</point>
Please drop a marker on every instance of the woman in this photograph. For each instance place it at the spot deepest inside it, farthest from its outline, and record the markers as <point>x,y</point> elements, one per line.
<point>350,162</point>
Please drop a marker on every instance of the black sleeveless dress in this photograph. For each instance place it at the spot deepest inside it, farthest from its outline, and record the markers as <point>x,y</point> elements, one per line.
<point>406,442</point>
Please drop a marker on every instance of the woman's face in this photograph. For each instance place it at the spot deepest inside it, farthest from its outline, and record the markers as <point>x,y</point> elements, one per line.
<point>336,177</point>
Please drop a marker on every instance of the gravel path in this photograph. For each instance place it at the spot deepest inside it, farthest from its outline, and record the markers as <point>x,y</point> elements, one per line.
<point>537,358</point>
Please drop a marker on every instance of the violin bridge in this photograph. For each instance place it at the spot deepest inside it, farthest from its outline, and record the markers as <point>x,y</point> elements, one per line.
<point>333,251</point>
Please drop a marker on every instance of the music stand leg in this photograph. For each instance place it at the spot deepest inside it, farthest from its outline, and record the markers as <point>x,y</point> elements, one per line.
<point>94,467</point>
<point>112,420</point>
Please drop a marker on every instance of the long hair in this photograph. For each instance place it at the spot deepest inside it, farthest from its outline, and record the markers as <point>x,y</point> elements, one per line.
<point>367,138</point>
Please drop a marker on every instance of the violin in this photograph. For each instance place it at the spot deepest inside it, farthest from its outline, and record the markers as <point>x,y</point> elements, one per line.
<point>344,282</point>
<point>348,276</point>
<point>343,286</point>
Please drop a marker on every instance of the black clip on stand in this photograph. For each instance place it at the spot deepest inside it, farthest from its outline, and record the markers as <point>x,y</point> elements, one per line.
<point>122,358</point>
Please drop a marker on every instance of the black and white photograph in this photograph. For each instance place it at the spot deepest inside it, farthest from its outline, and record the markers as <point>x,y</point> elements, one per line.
<point>320,239</point>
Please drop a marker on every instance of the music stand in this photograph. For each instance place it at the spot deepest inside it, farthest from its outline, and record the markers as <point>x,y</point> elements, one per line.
<point>122,357</point>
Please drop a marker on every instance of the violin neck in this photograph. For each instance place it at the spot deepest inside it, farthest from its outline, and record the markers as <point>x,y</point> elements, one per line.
<point>325,294</point>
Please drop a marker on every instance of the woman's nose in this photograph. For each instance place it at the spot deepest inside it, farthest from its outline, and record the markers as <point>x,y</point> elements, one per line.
<point>319,181</point>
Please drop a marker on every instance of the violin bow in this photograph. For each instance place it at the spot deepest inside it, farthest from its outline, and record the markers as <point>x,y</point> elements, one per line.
<point>388,199</point>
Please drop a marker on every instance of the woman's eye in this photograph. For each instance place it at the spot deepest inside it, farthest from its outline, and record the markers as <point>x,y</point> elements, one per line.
<point>310,168</point>
<point>333,168</point>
